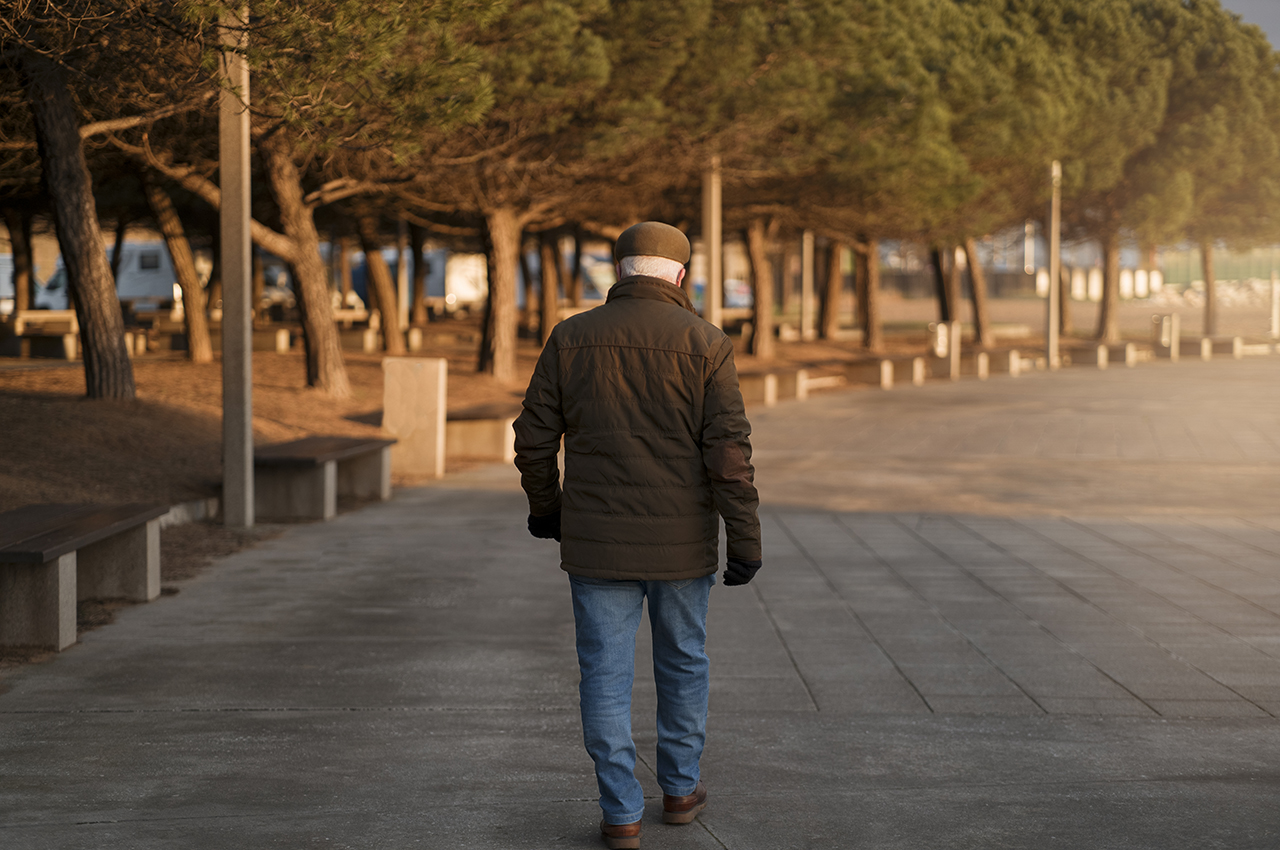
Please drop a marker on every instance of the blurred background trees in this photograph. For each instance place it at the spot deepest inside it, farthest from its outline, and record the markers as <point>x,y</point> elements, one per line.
<point>513,124</point>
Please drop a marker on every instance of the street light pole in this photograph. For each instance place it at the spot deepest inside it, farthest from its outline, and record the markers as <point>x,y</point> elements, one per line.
<point>236,247</point>
<point>1052,319</point>
<point>713,243</point>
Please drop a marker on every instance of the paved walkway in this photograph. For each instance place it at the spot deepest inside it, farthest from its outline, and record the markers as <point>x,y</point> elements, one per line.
<point>1040,612</point>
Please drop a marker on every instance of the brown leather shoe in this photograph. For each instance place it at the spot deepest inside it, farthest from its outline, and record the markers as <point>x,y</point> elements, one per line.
<point>684,809</point>
<point>621,836</point>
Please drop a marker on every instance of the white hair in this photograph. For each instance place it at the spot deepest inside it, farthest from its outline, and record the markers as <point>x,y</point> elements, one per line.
<point>659,267</point>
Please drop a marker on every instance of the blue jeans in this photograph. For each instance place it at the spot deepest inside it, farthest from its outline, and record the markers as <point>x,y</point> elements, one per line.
<point>607,616</point>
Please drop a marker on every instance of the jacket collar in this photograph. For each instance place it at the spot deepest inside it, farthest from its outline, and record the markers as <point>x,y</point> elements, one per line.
<point>652,288</point>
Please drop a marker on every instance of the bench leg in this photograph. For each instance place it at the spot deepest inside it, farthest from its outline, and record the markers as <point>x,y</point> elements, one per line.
<point>367,476</point>
<point>286,494</point>
<point>38,603</point>
<point>124,566</point>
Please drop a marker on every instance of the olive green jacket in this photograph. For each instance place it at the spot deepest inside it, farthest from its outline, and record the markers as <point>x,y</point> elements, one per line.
<point>646,397</point>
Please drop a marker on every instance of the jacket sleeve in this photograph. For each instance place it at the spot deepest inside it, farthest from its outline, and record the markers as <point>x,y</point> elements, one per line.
<point>726,454</point>
<point>538,432</point>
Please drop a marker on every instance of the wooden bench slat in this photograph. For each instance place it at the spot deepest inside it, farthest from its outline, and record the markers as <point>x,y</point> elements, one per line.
<point>65,528</point>
<point>28,521</point>
<point>312,451</point>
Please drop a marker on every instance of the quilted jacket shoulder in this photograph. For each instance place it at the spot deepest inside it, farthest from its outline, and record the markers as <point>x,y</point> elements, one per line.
<point>656,440</point>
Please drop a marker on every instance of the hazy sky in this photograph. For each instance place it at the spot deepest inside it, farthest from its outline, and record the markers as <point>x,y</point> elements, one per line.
<point>1264,13</point>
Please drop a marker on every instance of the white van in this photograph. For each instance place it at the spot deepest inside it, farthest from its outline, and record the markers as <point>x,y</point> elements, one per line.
<point>6,284</point>
<point>145,280</point>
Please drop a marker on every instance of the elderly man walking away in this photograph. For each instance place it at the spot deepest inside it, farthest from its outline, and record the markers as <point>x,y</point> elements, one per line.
<point>646,397</point>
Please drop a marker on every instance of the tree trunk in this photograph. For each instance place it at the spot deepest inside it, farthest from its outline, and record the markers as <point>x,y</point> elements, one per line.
<point>860,292</point>
<point>24,279</point>
<point>873,338</point>
<point>108,372</point>
<point>1108,318</point>
<point>199,346</point>
<point>404,305</point>
<point>257,280</point>
<point>1210,289</point>
<point>860,288</point>
<point>564,267</point>
<point>833,294</point>
<point>790,261</point>
<point>954,288</point>
<point>344,268</point>
<point>550,287</point>
<point>504,258</point>
<point>484,362</point>
<point>117,249</point>
<point>762,343</point>
<point>1066,327</point>
<point>214,287</point>
<point>526,280</point>
<point>575,281</point>
<point>978,289</point>
<point>941,285</point>
<point>325,369</point>
<point>378,280</point>
<point>417,241</point>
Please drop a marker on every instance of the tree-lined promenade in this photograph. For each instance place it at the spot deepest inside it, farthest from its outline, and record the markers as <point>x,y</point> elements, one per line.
<point>507,124</point>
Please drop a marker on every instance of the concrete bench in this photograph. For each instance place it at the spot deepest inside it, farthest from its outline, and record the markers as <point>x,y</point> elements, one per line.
<point>61,326</point>
<point>53,556</point>
<point>304,478</point>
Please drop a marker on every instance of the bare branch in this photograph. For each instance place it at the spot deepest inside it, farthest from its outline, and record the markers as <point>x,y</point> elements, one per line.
<point>113,124</point>
<point>608,231</point>
<point>196,183</point>
<point>346,187</point>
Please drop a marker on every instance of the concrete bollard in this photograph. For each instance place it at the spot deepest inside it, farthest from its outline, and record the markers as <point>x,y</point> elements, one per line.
<point>369,341</point>
<point>982,362</point>
<point>1175,337</point>
<point>1130,355</point>
<point>1206,348</point>
<point>283,342</point>
<point>802,385</point>
<point>1237,348</point>
<point>954,351</point>
<point>414,404</point>
<point>415,339</point>
<point>1275,306</point>
<point>886,374</point>
<point>770,390</point>
<point>1015,364</point>
<point>941,338</point>
<point>917,371</point>
<point>1104,357</point>
<point>128,342</point>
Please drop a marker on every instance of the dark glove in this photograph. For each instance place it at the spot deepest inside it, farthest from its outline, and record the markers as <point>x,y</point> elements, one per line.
<point>738,572</point>
<point>545,527</point>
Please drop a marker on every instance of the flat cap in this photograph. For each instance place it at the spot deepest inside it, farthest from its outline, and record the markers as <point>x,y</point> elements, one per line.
<point>652,239</point>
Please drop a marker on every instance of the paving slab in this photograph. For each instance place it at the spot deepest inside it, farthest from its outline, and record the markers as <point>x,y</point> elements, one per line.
<point>1034,612</point>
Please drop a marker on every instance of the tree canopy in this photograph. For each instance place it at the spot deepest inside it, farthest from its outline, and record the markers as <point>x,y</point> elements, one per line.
<point>932,120</point>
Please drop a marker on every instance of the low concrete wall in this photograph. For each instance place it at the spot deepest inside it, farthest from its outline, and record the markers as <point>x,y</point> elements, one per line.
<point>480,439</point>
<point>192,511</point>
